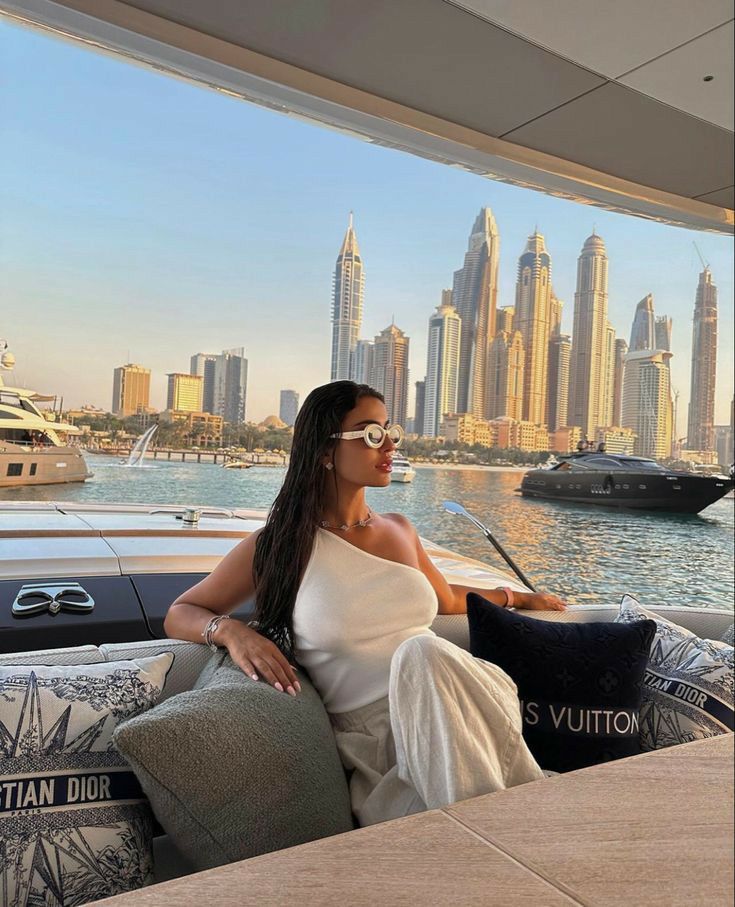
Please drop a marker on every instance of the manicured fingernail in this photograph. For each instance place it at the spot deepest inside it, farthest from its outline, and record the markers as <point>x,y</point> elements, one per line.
<point>278,687</point>
<point>254,676</point>
<point>291,691</point>
<point>297,685</point>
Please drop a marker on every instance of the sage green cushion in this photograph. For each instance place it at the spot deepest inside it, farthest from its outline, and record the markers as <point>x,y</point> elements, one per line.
<point>233,768</point>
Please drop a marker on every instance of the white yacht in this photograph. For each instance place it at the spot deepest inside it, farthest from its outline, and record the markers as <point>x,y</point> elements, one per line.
<point>32,448</point>
<point>402,470</point>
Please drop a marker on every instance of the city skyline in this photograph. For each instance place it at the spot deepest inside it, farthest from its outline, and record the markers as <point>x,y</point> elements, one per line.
<point>227,243</point>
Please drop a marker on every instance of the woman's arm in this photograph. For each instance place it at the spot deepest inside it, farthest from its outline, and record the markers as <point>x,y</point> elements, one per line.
<point>453,596</point>
<point>230,584</point>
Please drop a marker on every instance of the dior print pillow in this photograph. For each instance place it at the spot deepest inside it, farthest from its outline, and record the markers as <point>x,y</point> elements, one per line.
<point>74,823</point>
<point>687,686</point>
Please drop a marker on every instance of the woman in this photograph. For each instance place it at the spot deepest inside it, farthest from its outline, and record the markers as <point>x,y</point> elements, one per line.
<point>351,594</point>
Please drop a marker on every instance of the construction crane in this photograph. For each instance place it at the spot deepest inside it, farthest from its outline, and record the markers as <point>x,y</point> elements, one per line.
<point>705,264</point>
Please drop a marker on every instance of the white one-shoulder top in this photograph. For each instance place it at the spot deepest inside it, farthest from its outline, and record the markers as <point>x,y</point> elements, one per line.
<point>352,611</point>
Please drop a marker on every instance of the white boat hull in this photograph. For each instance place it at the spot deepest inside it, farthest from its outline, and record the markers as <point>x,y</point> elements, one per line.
<point>407,475</point>
<point>20,466</point>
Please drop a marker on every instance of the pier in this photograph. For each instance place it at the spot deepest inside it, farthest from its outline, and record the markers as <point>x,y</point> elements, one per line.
<point>187,455</point>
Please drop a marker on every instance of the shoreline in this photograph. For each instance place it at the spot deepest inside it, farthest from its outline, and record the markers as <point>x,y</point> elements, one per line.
<point>468,466</point>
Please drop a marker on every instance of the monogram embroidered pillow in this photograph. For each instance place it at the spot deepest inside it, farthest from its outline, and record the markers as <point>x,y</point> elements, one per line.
<point>74,823</point>
<point>579,684</point>
<point>688,684</point>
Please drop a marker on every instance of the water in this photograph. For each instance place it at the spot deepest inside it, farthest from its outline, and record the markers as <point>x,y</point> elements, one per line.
<point>586,554</point>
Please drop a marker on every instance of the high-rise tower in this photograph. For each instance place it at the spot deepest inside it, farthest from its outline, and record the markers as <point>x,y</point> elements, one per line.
<point>643,332</point>
<point>533,319</point>
<point>647,408</point>
<point>589,371</point>
<point>389,373</point>
<point>442,367</point>
<point>347,302</point>
<point>557,409</point>
<point>621,350</point>
<point>474,295</point>
<point>505,376</point>
<point>700,428</point>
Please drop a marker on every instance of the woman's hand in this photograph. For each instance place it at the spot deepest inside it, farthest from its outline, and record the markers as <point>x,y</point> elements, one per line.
<point>538,601</point>
<point>256,655</point>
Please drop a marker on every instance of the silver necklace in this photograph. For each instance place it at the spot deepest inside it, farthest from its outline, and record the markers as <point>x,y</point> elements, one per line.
<point>344,527</point>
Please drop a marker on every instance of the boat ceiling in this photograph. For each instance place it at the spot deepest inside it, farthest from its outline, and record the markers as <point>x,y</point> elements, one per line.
<point>604,103</point>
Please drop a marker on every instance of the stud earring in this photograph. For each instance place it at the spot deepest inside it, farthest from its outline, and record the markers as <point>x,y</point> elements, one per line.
<point>329,465</point>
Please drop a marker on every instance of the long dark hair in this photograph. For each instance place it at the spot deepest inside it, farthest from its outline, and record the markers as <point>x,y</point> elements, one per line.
<point>283,548</point>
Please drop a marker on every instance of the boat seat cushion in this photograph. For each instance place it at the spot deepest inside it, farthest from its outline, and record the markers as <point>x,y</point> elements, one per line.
<point>75,823</point>
<point>579,683</point>
<point>688,684</point>
<point>233,768</point>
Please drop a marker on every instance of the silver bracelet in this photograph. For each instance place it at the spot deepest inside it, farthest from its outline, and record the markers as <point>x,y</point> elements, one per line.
<point>210,629</point>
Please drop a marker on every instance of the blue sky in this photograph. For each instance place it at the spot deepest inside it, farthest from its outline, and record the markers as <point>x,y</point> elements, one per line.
<point>147,219</point>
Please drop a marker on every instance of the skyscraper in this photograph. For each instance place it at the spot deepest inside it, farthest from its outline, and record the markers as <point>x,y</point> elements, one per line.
<point>643,332</point>
<point>184,393</point>
<point>700,428</point>
<point>363,361</point>
<point>389,374</point>
<point>556,306</point>
<point>505,368</point>
<point>131,390</point>
<point>203,364</point>
<point>225,383</point>
<point>442,366</point>
<point>231,385</point>
<point>588,371</point>
<point>647,408</point>
<point>504,319</point>
<point>557,408</point>
<point>663,333</point>
<point>532,319</point>
<point>621,350</point>
<point>418,419</point>
<point>289,407</point>
<point>347,303</point>
<point>474,295</point>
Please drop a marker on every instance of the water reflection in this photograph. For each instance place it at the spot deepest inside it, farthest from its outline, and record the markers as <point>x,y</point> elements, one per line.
<point>586,554</point>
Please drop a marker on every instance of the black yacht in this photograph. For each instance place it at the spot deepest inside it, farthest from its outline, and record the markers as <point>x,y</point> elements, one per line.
<point>619,480</point>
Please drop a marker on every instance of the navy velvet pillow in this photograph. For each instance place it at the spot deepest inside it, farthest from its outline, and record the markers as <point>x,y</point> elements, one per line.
<point>579,683</point>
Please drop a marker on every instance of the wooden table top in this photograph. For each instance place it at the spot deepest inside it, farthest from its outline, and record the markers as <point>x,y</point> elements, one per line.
<point>652,829</point>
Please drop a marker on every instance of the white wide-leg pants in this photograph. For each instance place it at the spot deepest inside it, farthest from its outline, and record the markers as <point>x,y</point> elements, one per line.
<point>449,729</point>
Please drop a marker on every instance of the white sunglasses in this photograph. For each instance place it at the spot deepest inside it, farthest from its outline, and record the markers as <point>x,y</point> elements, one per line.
<point>374,435</point>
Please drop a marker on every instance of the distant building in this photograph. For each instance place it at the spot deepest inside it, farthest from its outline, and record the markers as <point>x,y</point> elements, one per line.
<point>557,406</point>
<point>519,435</point>
<point>565,438</point>
<point>204,365</point>
<point>616,440</point>
<point>724,445</point>
<point>225,383</point>
<point>474,296</point>
<point>131,390</point>
<point>289,407</point>
<point>363,361</point>
<point>504,319</point>
<point>466,429</point>
<point>589,371</point>
<point>347,304</point>
<point>532,319</point>
<point>621,349</point>
<point>420,408</point>
<point>389,374</point>
<point>663,333</point>
<point>203,429</point>
<point>442,367</point>
<point>647,406</point>
<point>505,370</point>
<point>701,423</point>
<point>185,392</point>
<point>643,332</point>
